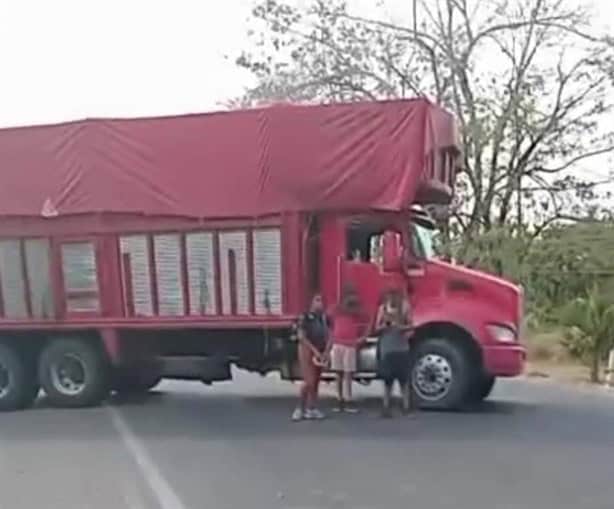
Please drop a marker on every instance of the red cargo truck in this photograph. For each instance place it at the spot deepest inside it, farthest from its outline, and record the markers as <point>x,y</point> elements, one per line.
<point>133,250</point>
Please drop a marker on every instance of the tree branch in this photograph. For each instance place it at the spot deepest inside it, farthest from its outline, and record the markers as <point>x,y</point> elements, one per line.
<point>577,159</point>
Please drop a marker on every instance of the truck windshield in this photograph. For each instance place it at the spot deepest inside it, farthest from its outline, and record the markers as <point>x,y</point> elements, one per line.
<point>423,239</point>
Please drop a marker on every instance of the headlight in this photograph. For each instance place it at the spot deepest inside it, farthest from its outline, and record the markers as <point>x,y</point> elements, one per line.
<point>502,333</point>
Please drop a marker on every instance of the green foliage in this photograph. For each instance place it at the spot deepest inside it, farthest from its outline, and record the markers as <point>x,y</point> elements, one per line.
<point>568,276</point>
<point>501,251</point>
<point>554,267</point>
<point>590,328</point>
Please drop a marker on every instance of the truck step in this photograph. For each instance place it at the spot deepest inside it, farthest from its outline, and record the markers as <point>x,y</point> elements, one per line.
<point>206,369</point>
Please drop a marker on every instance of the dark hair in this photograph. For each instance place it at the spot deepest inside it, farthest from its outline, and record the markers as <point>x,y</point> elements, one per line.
<point>393,295</point>
<point>397,300</point>
<point>348,289</point>
<point>349,301</point>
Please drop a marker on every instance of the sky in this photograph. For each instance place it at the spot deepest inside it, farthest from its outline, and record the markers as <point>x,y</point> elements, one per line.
<point>67,59</point>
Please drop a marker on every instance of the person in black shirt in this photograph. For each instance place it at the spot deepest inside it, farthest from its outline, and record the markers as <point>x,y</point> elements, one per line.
<point>394,326</point>
<point>313,334</point>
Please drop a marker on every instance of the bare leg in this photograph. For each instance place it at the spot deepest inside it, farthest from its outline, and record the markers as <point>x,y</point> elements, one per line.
<point>309,400</point>
<point>340,390</point>
<point>348,385</point>
<point>348,379</point>
<point>386,399</point>
<point>303,357</point>
<point>304,396</point>
<point>407,397</point>
<point>315,387</point>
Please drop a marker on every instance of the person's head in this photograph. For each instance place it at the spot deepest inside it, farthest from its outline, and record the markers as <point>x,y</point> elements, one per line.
<point>392,303</point>
<point>393,297</point>
<point>317,303</point>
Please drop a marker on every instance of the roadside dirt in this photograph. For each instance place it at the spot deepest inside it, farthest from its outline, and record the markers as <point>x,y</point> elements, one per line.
<point>563,371</point>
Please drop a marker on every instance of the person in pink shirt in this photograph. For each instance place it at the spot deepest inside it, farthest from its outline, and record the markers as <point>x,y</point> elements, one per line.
<point>348,332</point>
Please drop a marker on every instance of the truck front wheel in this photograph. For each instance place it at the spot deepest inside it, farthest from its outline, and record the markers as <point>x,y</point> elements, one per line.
<point>73,373</point>
<point>440,374</point>
<point>482,387</point>
<point>18,382</point>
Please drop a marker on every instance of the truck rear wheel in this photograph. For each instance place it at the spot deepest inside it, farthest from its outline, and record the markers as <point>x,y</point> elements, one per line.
<point>18,382</point>
<point>440,374</point>
<point>73,373</point>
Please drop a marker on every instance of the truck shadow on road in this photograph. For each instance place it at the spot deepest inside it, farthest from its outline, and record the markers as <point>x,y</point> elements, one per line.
<point>258,412</point>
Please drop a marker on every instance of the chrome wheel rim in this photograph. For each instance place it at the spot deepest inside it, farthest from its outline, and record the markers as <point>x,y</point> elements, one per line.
<point>68,375</point>
<point>432,377</point>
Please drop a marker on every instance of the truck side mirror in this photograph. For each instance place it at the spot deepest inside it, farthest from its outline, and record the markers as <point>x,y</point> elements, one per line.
<point>392,252</point>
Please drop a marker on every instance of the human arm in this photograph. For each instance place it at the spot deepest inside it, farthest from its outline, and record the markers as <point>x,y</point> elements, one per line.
<point>329,338</point>
<point>379,319</point>
<point>364,326</point>
<point>304,339</point>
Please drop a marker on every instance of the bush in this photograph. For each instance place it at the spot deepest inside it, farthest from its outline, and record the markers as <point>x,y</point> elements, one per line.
<point>589,323</point>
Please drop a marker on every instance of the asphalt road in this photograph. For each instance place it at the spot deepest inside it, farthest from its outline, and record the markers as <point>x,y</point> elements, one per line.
<point>534,445</point>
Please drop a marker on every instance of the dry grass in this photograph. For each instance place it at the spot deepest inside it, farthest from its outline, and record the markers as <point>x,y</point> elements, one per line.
<point>547,358</point>
<point>567,372</point>
<point>545,346</point>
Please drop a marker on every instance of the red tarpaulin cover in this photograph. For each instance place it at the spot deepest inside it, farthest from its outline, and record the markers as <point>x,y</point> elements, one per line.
<point>229,164</point>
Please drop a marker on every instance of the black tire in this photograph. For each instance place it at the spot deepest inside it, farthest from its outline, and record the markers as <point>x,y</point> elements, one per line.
<point>18,382</point>
<point>482,387</point>
<point>440,375</point>
<point>89,377</point>
<point>135,382</point>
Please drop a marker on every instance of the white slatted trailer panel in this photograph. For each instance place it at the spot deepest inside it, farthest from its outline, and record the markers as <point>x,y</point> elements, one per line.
<point>80,277</point>
<point>138,248</point>
<point>198,281</point>
<point>201,273</point>
<point>268,271</point>
<point>168,274</point>
<point>37,265</point>
<point>234,242</point>
<point>11,280</point>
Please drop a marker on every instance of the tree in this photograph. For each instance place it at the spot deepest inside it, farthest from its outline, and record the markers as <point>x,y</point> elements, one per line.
<point>554,268</point>
<point>527,79</point>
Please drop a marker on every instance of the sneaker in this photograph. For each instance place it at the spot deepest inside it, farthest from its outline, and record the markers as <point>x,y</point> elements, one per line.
<point>298,415</point>
<point>338,407</point>
<point>314,414</point>
<point>350,409</point>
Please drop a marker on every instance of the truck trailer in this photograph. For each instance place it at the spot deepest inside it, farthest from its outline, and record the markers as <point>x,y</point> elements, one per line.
<point>133,250</point>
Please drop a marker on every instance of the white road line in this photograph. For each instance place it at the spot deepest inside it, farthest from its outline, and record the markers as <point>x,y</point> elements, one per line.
<point>160,487</point>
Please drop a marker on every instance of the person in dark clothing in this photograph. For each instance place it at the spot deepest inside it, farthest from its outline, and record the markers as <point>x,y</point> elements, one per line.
<point>313,334</point>
<point>394,326</point>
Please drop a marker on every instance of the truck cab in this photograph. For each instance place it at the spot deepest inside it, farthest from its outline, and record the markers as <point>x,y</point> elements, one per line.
<point>466,323</point>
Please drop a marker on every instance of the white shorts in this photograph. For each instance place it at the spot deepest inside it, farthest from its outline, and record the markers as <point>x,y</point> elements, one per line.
<point>343,359</point>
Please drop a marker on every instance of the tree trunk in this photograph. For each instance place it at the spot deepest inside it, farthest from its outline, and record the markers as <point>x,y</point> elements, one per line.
<point>595,367</point>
